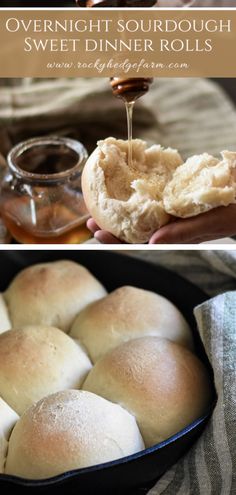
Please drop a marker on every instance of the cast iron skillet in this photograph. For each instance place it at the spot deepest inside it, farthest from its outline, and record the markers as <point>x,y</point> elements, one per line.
<point>133,474</point>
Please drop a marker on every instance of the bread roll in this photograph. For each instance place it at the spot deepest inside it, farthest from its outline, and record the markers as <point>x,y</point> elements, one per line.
<point>163,384</point>
<point>37,361</point>
<point>132,202</point>
<point>8,418</point>
<point>51,294</point>
<point>125,314</point>
<point>127,201</point>
<point>5,323</point>
<point>200,184</point>
<point>70,430</point>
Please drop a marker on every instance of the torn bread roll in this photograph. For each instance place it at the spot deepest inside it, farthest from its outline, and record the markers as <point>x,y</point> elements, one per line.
<point>128,313</point>
<point>8,418</point>
<point>5,323</point>
<point>200,184</point>
<point>51,294</point>
<point>37,361</point>
<point>127,201</point>
<point>164,385</point>
<point>133,202</point>
<point>70,430</point>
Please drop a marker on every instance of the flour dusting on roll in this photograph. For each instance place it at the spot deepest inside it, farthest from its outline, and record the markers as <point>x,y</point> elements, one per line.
<point>37,361</point>
<point>70,430</point>
<point>125,314</point>
<point>51,294</point>
<point>163,384</point>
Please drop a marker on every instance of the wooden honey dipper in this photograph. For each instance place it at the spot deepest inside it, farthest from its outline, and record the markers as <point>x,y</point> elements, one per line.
<point>130,89</point>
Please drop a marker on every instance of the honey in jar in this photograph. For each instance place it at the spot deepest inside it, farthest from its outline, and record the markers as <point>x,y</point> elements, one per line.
<point>41,197</point>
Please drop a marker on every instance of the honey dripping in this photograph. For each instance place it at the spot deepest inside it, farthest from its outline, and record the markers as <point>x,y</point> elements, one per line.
<point>129,90</point>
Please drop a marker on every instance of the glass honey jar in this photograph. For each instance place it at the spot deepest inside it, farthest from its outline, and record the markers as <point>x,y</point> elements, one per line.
<point>41,199</point>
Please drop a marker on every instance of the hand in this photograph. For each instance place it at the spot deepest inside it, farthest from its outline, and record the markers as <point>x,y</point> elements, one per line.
<point>101,235</point>
<point>215,224</point>
<point>210,226</point>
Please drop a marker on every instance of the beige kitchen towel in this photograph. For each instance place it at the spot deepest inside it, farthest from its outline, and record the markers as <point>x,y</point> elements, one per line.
<point>209,468</point>
<point>193,115</point>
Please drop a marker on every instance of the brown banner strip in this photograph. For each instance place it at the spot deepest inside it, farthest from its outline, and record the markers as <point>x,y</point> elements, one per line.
<point>88,43</point>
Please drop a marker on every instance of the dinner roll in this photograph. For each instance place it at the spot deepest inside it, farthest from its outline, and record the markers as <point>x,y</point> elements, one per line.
<point>37,361</point>
<point>162,383</point>
<point>5,323</point>
<point>8,418</point>
<point>51,294</point>
<point>70,430</point>
<point>200,184</point>
<point>134,201</point>
<point>125,314</point>
<point>127,201</point>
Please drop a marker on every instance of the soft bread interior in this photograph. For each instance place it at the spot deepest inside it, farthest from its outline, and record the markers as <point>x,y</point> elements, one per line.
<point>151,168</point>
<point>132,202</point>
<point>200,184</point>
<point>127,201</point>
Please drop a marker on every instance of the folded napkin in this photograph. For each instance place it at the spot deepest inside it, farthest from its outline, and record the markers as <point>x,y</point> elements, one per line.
<point>209,468</point>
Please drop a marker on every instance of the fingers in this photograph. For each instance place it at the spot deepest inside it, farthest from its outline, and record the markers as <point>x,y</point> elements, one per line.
<point>101,235</point>
<point>174,233</point>
<point>92,226</point>
<point>105,237</point>
<point>213,225</point>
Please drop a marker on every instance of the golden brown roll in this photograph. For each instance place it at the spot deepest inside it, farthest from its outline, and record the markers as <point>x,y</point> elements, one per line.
<point>8,418</point>
<point>5,323</point>
<point>36,361</point>
<point>51,294</point>
<point>125,314</point>
<point>162,383</point>
<point>69,430</point>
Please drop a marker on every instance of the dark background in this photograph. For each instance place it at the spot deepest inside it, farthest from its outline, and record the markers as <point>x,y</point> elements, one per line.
<point>37,3</point>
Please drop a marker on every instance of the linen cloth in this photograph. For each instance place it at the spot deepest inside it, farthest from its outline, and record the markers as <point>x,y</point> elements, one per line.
<point>192,115</point>
<point>209,468</point>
